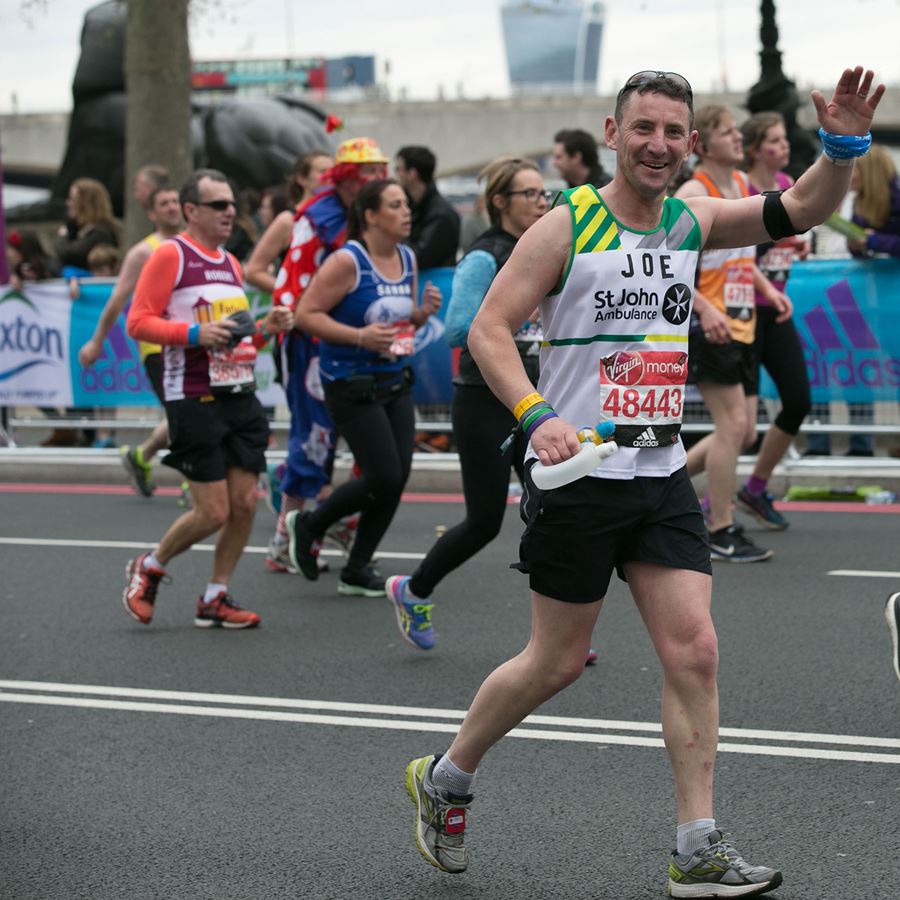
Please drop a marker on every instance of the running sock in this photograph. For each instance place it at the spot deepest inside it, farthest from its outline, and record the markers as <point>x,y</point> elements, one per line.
<point>213,590</point>
<point>413,594</point>
<point>151,562</point>
<point>692,836</point>
<point>288,504</point>
<point>756,486</point>
<point>448,779</point>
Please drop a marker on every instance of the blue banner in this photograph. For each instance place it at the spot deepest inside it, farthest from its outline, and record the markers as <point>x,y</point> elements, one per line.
<point>433,362</point>
<point>847,313</point>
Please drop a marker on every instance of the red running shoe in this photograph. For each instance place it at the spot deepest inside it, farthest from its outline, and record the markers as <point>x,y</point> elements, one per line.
<point>223,612</point>
<point>140,591</point>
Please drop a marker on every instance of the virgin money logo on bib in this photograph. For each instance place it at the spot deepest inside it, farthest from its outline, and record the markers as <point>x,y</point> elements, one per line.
<point>647,367</point>
<point>623,367</point>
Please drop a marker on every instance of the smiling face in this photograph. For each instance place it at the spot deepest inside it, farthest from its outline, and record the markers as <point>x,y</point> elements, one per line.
<point>652,141</point>
<point>393,217</point>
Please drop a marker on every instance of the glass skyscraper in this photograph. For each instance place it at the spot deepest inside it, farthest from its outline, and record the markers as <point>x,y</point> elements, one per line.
<point>553,45</point>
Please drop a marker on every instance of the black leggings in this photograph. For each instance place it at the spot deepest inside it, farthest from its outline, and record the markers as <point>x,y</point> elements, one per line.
<point>779,351</point>
<point>378,424</point>
<point>480,424</point>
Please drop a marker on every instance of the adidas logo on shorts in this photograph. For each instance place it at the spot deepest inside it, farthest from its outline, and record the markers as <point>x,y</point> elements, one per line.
<point>647,439</point>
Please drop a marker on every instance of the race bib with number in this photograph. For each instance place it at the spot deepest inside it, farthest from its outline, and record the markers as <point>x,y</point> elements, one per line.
<point>231,368</point>
<point>642,392</point>
<point>740,296</point>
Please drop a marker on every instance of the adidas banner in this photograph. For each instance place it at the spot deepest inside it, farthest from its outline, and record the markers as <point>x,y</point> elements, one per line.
<point>847,313</point>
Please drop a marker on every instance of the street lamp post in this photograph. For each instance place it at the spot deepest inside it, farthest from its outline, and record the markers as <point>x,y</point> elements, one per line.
<point>775,92</point>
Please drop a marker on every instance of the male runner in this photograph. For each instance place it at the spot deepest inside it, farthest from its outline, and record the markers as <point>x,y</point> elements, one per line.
<point>164,211</point>
<point>320,227</point>
<point>723,356</point>
<point>190,298</point>
<point>613,273</point>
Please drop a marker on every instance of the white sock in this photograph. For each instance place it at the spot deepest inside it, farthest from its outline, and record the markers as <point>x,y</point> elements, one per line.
<point>213,590</point>
<point>448,779</point>
<point>692,836</point>
<point>150,561</point>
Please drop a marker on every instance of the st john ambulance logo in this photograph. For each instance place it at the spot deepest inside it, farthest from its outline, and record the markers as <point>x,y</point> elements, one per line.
<point>677,304</point>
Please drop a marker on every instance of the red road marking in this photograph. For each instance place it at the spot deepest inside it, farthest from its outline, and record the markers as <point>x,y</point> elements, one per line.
<point>125,490</point>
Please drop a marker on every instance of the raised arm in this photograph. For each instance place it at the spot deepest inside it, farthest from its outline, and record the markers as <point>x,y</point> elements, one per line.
<point>819,191</point>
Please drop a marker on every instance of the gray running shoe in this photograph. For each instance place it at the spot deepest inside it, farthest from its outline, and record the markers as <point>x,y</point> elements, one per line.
<point>440,820</point>
<point>718,871</point>
<point>138,471</point>
<point>892,615</point>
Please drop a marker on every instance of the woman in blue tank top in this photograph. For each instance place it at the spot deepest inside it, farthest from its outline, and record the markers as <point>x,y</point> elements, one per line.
<point>361,306</point>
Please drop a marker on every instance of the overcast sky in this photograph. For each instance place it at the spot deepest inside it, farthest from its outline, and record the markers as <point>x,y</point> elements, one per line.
<point>458,45</point>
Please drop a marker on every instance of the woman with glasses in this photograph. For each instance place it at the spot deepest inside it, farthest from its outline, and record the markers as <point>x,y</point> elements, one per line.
<point>515,199</point>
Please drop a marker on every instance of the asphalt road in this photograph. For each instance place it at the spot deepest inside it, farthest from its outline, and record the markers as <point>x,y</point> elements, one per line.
<point>169,762</point>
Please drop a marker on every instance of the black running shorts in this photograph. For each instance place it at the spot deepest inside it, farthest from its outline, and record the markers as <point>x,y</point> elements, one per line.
<point>153,368</point>
<point>577,534</point>
<point>210,435</point>
<point>731,363</point>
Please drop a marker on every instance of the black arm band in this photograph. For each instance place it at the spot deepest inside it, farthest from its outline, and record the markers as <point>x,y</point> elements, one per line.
<point>778,223</point>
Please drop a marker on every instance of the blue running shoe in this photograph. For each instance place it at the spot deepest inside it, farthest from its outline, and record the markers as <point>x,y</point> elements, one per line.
<point>761,506</point>
<point>413,615</point>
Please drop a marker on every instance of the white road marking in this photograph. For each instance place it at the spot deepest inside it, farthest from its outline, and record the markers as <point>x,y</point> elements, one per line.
<point>148,545</point>
<point>48,693</point>
<point>864,573</point>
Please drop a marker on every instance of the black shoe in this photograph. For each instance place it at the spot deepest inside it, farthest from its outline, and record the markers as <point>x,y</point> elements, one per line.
<point>367,582</point>
<point>732,545</point>
<point>302,545</point>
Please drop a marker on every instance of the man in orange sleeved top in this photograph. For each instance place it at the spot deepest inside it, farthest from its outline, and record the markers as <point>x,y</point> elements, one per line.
<point>190,299</point>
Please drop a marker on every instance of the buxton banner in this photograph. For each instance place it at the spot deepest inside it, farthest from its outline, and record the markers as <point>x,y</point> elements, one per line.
<point>42,329</point>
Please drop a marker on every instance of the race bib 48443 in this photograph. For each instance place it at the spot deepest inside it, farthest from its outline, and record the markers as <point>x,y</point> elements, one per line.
<point>642,391</point>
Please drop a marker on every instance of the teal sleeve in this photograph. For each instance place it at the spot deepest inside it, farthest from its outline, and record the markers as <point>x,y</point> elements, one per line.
<point>471,280</point>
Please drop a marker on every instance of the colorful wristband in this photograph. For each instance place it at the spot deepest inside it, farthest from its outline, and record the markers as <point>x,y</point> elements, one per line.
<point>526,403</point>
<point>845,146</point>
<point>194,334</point>
<point>537,410</point>
<point>547,415</point>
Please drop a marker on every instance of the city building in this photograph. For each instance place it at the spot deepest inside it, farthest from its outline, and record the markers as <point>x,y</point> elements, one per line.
<point>553,46</point>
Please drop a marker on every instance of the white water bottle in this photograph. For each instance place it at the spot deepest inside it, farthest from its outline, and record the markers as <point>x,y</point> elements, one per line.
<point>546,478</point>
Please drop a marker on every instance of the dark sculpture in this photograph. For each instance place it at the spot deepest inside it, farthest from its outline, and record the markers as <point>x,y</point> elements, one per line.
<point>253,140</point>
<point>775,92</point>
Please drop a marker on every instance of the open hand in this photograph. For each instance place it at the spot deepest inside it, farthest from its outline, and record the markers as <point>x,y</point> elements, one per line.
<point>852,107</point>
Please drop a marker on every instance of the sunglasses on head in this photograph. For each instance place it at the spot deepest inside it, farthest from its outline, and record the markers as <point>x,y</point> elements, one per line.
<point>639,79</point>
<point>217,205</point>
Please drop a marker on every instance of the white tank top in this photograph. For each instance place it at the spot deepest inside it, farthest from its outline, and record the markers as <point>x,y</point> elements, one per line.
<point>616,332</point>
